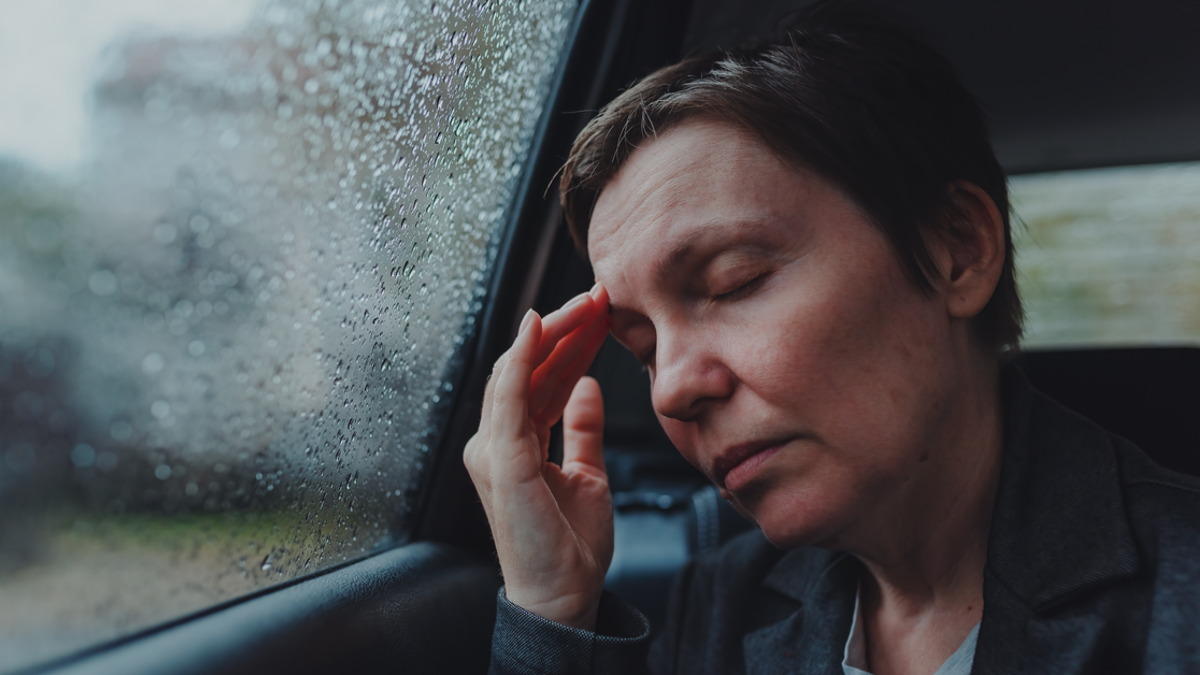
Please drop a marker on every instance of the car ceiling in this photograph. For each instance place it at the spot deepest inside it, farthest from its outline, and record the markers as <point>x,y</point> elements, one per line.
<point>1067,84</point>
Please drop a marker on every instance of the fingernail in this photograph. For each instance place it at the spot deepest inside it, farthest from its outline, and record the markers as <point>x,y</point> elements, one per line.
<point>526,321</point>
<point>575,300</point>
<point>595,289</point>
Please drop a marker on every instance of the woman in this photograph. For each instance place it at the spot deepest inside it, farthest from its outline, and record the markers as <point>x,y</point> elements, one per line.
<point>808,247</point>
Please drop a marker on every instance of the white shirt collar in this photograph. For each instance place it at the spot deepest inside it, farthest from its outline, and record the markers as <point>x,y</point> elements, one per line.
<point>854,658</point>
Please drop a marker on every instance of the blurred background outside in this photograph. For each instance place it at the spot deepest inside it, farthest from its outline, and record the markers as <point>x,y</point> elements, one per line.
<point>1109,256</point>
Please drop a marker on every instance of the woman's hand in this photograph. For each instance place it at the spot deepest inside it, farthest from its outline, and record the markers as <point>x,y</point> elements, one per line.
<point>552,525</point>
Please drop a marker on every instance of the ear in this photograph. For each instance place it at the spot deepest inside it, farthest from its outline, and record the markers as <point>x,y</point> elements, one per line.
<point>970,253</point>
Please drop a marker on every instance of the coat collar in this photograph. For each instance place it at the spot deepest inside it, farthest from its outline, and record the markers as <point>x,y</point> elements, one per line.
<point>1059,527</point>
<point>1058,530</point>
<point>812,639</point>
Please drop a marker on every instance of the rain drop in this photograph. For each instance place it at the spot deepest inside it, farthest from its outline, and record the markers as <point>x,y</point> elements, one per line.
<point>102,282</point>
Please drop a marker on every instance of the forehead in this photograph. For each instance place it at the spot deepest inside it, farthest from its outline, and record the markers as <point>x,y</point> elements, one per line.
<point>685,186</point>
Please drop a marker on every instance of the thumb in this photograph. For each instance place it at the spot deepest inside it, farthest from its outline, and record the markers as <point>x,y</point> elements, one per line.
<point>583,428</point>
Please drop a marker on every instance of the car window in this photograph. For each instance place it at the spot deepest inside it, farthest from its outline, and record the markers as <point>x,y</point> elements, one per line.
<point>242,247</point>
<point>1109,256</point>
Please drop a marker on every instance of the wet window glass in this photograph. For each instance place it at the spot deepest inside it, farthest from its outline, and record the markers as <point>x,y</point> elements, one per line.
<point>1110,256</point>
<point>241,248</point>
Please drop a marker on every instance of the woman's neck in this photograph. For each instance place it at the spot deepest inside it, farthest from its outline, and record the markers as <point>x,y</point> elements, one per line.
<point>925,551</point>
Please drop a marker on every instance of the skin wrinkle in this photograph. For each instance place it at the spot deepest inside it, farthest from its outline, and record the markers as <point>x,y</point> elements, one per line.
<point>891,406</point>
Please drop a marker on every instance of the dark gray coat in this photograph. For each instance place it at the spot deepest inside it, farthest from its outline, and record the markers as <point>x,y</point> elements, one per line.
<point>1093,567</point>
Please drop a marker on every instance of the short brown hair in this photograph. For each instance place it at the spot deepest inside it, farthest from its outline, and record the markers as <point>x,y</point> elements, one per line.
<point>860,102</point>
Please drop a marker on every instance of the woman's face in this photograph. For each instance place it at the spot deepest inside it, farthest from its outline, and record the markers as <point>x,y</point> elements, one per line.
<point>791,360</point>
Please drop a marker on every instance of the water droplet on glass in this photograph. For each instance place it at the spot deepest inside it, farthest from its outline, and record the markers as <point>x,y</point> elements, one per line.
<point>102,282</point>
<point>164,233</point>
<point>83,455</point>
<point>107,460</point>
<point>160,409</point>
<point>40,362</point>
<point>199,223</point>
<point>121,430</point>
<point>153,363</point>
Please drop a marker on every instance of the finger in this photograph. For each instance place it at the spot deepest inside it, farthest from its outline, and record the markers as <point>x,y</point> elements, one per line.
<point>563,321</point>
<point>583,428</point>
<point>510,399</point>
<point>568,378</point>
<point>548,376</point>
<point>489,394</point>
<point>564,378</point>
<point>600,296</point>
<point>554,326</point>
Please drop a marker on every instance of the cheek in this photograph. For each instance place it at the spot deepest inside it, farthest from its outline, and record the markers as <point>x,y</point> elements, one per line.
<point>866,322</point>
<point>854,357</point>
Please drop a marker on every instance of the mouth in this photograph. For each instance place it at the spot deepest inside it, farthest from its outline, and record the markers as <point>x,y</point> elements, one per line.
<point>736,466</point>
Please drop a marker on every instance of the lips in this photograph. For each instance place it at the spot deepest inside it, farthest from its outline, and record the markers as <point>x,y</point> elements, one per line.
<point>738,464</point>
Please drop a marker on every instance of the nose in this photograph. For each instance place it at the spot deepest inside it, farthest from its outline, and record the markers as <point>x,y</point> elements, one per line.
<point>689,376</point>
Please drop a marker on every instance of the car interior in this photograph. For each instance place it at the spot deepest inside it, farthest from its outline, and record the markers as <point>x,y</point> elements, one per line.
<point>1067,86</point>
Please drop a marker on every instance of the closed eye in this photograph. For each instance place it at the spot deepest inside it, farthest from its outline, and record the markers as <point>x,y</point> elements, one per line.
<point>743,290</point>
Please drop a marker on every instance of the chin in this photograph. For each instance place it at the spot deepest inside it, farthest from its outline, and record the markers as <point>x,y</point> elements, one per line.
<point>789,537</point>
<point>789,520</point>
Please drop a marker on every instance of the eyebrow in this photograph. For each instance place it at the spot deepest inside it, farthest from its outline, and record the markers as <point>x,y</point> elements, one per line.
<point>664,269</point>
<point>678,253</point>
